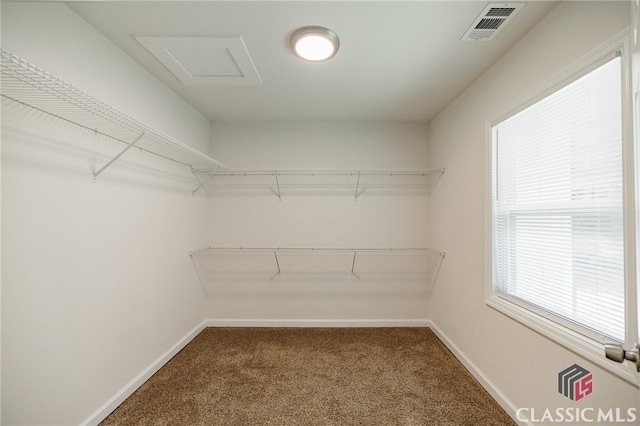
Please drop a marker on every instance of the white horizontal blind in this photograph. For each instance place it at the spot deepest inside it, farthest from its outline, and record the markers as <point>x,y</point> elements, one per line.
<point>557,194</point>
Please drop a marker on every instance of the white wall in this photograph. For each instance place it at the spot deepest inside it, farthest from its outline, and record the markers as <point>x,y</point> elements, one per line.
<point>312,219</point>
<point>521,364</point>
<point>97,283</point>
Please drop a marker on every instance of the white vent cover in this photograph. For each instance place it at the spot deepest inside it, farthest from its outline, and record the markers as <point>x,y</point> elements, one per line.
<point>491,20</point>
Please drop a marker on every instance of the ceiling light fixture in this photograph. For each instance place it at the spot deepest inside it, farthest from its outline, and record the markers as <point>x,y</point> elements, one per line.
<point>314,43</point>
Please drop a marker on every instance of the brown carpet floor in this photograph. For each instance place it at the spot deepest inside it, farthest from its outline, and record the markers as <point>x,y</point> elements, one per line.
<point>311,376</point>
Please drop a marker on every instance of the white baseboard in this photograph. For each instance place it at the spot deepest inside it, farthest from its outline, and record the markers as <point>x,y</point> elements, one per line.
<point>500,398</point>
<point>316,323</point>
<point>106,409</point>
<point>101,413</point>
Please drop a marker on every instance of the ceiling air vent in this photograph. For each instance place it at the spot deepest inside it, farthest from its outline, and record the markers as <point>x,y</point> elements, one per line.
<point>491,20</point>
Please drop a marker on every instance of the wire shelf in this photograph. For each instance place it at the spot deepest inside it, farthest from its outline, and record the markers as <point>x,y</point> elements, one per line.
<point>313,251</point>
<point>218,180</point>
<point>26,84</point>
<point>216,264</point>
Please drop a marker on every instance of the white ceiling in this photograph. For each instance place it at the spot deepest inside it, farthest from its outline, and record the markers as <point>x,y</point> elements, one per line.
<point>398,61</point>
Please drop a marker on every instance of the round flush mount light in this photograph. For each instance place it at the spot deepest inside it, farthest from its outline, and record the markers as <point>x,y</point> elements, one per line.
<point>314,43</point>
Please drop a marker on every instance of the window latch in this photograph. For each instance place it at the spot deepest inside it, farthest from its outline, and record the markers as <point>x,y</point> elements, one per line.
<point>615,352</point>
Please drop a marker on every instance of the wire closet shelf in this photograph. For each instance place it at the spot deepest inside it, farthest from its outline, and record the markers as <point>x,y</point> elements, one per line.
<point>233,263</point>
<point>278,179</point>
<point>26,84</point>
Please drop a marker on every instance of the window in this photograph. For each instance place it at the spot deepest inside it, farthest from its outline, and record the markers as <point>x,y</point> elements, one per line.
<point>557,192</point>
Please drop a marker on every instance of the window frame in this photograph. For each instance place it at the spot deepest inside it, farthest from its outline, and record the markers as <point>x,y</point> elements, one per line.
<point>548,325</point>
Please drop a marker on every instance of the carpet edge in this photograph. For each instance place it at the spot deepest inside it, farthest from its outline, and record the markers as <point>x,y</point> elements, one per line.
<point>329,323</point>
<point>108,407</point>
<point>484,381</point>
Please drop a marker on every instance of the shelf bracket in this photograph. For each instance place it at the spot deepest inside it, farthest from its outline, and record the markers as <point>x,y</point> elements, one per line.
<point>197,264</point>
<point>357,188</point>
<point>275,172</point>
<point>201,182</point>
<point>114,159</point>
<point>353,264</point>
<point>275,254</point>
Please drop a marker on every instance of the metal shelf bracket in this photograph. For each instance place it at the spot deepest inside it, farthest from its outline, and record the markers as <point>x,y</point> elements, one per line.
<point>275,172</point>
<point>275,254</point>
<point>114,159</point>
<point>357,188</point>
<point>202,182</point>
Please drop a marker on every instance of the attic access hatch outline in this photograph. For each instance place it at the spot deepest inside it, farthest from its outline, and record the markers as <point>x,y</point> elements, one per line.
<point>204,60</point>
<point>491,20</point>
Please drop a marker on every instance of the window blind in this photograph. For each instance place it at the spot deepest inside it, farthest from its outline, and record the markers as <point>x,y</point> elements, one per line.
<point>558,205</point>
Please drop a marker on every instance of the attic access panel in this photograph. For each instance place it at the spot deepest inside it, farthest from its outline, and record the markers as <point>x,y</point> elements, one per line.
<point>204,60</point>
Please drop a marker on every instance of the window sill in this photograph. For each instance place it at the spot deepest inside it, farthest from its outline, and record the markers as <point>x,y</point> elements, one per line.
<point>575,342</point>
